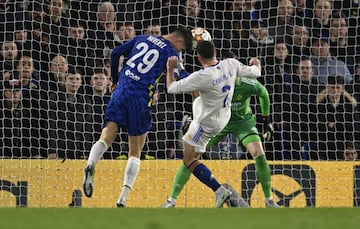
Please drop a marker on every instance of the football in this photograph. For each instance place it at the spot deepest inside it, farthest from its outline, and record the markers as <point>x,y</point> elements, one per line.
<point>200,34</point>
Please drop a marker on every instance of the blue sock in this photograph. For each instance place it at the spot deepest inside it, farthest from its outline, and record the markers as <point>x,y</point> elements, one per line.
<point>205,176</point>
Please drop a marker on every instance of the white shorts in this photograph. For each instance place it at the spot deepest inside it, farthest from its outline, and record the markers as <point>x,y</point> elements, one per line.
<point>203,127</point>
<point>198,137</point>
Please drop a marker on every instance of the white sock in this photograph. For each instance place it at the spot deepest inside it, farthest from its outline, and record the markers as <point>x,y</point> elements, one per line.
<point>96,152</point>
<point>131,172</point>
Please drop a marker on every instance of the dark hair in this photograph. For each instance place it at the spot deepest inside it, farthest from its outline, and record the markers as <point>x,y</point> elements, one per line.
<point>74,70</point>
<point>227,54</point>
<point>349,145</point>
<point>187,35</point>
<point>206,49</point>
<point>76,23</point>
<point>335,80</point>
<point>280,40</point>
<point>124,24</point>
<point>302,58</point>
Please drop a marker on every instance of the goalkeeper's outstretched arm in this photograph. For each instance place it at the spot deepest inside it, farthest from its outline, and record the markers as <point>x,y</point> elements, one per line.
<point>265,110</point>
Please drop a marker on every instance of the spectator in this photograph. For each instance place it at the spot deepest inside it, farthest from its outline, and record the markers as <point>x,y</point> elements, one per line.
<point>350,152</point>
<point>70,122</point>
<point>55,79</point>
<point>320,25</point>
<point>303,12</point>
<point>124,32</point>
<point>236,20</point>
<point>9,14</point>
<point>277,80</point>
<point>75,47</point>
<point>258,45</point>
<point>299,109</point>
<point>150,10</point>
<point>56,21</point>
<point>300,43</point>
<point>22,38</point>
<point>43,50</point>
<point>277,68</point>
<point>153,30</point>
<point>98,96</point>
<point>9,56</point>
<point>189,13</point>
<point>26,73</point>
<point>337,120</point>
<point>101,36</point>
<point>281,24</point>
<point>342,45</point>
<point>193,15</point>
<point>18,123</point>
<point>325,64</point>
<point>35,11</point>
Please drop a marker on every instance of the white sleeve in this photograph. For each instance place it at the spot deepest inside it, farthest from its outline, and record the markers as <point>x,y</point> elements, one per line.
<point>193,82</point>
<point>249,71</point>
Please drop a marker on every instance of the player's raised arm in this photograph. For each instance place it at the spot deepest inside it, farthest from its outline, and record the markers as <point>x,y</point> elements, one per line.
<point>264,100</point>
<point>265,110</point>
<point>170,77</point>
<point>252,71</point>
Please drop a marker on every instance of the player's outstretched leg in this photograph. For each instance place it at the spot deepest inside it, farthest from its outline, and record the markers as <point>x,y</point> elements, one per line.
<point>96,152</point>
<point>182,176</point>
<point>88,184</point>
<point>204,174</point>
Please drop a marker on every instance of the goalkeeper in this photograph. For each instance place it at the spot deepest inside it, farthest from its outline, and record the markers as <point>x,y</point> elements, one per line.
<point>243,125</point>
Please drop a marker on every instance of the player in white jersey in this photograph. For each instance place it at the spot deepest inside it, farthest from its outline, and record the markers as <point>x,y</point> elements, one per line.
<point>211,110</point>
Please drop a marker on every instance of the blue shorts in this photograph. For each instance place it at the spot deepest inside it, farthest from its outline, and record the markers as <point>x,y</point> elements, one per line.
<point>130,112</point>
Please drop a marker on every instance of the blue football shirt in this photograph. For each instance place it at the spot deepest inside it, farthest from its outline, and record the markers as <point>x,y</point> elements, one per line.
<point>146,62</point>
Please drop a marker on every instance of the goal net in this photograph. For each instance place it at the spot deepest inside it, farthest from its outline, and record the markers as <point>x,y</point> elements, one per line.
<point>55,84</point>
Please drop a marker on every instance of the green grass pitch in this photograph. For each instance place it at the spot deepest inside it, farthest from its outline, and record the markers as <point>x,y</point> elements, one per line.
<point>179,218</point>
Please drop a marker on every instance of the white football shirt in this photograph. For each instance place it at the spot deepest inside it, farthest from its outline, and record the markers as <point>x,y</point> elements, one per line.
<point>216,86</point>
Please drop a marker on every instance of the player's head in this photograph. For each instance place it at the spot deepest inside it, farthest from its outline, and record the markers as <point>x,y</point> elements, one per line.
<point>183,39</point>
<point>206,50</point>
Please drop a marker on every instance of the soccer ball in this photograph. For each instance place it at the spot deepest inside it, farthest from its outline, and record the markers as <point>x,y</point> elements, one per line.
<point>200,34</point>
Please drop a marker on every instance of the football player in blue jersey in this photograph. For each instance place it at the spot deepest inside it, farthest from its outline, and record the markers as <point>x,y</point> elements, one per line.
<point>129,107</point>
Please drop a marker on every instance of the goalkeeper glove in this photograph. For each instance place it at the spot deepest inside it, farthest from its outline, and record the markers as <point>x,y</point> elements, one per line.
<point>268,128</point>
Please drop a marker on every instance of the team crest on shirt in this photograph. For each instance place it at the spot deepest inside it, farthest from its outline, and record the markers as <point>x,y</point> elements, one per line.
<point>239,97</point>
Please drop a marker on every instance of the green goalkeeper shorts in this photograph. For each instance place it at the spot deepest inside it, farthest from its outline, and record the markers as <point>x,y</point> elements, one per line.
<point>245,130</point>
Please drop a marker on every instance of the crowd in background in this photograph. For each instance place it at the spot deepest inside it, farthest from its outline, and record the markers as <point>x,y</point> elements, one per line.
<point>55,77</point>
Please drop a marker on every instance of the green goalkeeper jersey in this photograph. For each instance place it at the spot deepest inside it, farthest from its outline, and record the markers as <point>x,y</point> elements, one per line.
<point>240,104</point>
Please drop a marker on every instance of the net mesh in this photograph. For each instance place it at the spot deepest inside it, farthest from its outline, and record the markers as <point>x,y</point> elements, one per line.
<point>60,51</point>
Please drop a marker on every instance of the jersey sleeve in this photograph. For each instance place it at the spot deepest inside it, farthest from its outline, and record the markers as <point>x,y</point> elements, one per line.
<point>248,71</point>
<point>264,98</point>
<point>193,82</point>
<point>117,52</point>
